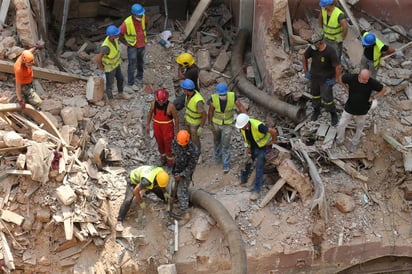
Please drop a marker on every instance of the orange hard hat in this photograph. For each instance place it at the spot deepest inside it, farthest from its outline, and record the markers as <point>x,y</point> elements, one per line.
<point>27,56</point>
<point>183,137</point>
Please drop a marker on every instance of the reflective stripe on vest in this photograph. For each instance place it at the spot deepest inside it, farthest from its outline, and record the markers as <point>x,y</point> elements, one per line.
<point>148,172</point>
<point>225,117</point>
<point>192,116</point>
<point>377,54</point>
<point>130,35</point>
<point>332,29</point>
<point>260,138</point>
<point>112,60</point>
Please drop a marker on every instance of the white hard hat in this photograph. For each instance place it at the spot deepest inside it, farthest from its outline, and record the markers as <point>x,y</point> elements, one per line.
<point>241,120</point>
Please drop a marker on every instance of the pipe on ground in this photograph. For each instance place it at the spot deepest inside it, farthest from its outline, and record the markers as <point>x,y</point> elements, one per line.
<point>231,231</point>
<point>272,103</point>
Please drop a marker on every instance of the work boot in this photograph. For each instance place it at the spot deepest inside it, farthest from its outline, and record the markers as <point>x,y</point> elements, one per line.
<point>184,219</point>
<point>334,118</point>
<point>124,96</point>
<point>254,196</point>
<point>119,227</point>
<point>135,87</point>
<point>315,114</point>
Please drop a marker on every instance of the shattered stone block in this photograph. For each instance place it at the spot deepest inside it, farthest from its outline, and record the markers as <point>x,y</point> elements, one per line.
<point>95,89</point>
<point>39,136</point>
<point>66,194</point>
<point>69,116</point>
<point>13,139</point>
<point>221,61</point>
<point>21,161</point>
<point>203,59</point>
<point>167,269</point>
<point>344,203</point>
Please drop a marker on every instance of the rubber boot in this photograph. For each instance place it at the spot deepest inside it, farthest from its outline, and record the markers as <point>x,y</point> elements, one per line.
<point>334,118</point>
<point>315,114</point>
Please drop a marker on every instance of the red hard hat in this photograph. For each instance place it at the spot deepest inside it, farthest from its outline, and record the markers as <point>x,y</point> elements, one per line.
<point>161,95</point>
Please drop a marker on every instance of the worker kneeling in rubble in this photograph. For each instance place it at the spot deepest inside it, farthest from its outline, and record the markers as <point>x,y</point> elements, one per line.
<point>23,72</point>
<point>150,178</point>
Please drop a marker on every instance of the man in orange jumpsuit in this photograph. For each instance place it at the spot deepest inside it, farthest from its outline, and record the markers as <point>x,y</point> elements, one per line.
<point>163,112</point>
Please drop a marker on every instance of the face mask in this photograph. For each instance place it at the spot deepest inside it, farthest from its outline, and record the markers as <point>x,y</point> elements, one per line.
<point>313,47</point>
<point>116,39</point>
<point>138,19</point>
<point>222,97</point>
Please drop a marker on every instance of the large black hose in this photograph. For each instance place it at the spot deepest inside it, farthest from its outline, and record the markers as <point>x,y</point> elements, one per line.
<point>272,103</point>
<point>231,231</point>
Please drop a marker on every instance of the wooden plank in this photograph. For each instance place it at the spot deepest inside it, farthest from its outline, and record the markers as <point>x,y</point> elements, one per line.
<point>8,256</point>
<point>196,16</point>
<point>68,222</point>
<point>322,130</point>
<point>37,116</point>
<point>272,192</point>
<point>350,170</point>
<point>42,73</point>
<point>11,217</point>
<point>338,153</point>
<point>19,172</point>
<point>3,11</point>
<point>66,244</point>
<point>330,136</point>
<point>72,251</point>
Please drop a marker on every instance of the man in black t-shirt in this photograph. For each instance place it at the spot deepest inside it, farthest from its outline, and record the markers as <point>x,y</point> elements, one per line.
<point>324,69</point>
<point>360,87</point>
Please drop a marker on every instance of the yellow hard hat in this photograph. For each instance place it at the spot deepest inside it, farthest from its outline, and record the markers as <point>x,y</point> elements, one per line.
<point>185,59</point>
<point>162,178</point>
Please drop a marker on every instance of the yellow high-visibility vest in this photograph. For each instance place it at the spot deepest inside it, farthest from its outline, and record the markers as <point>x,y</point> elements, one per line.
<point>112,60</point>
<point>377,54</point>
<point>130,35</point>
<point>192,116</point>
<point>260,138</point>
<point>332,28</point>
<point>148,172</point>
<point>226,117</point>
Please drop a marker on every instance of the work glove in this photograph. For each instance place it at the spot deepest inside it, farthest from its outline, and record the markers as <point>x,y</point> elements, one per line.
<point>339,40</point>
<point>22,104</point>
<point>308,75</point>
<point>143,205</point>
<point>330,81</point>
<point>167,196</point>
<point>200,131</point>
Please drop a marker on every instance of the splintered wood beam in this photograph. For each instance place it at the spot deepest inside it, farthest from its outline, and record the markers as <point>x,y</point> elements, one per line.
<point>42,73</point>
<point>272,192</point>
<point>350,170</point>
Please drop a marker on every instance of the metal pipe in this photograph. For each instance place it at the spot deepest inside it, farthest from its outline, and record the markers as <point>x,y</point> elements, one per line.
<point>270,102</point>
<point>63,26</point>
<point>231,231</point>
<point>166,15</point>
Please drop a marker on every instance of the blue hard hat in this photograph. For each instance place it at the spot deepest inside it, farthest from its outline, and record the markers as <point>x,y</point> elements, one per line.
<point>138,9</point>
<point>112,30</point>
<point>369,39</point>
<point>323,3</point>
<point>187,84</point>
<point>221,89</point>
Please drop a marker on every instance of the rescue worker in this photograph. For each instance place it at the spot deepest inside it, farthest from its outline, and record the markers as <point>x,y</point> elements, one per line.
<point>23,72</point>
<point>150,178</point>
<point>133,35</point>
<point>373,50</point>
<point>325,71</point>
<point>360,100</point>
<point>333,22</point>
<point>187,70</point>
<point>186,154</point>
<point>259,139</point>
<point>195,113</point>
<point>221,117</point>
<point>109,60</point>
<point>163,113</point>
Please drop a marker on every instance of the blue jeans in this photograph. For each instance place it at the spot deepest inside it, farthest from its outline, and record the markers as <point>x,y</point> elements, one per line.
<point>221,139</point>
<point>259,155</point>
<point>135,57</point>
<point>116,73</point>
